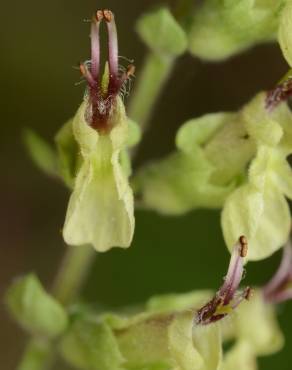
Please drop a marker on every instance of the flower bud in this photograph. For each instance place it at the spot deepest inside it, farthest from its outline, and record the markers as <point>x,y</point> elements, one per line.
<point>162,33</point>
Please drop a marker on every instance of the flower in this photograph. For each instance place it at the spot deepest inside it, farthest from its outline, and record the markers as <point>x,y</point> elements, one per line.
<point>103,93</point>
<point>174,332</point>
<point>258,207</point>
<point>254,327</point>
<point>100,210</point>
<point>233,160</point>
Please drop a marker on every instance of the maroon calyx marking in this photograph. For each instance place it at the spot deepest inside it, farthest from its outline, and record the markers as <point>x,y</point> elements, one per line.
<point>101,99</point>
<point>227,297</point>
<point>279,288</point>
<point>279,93</point>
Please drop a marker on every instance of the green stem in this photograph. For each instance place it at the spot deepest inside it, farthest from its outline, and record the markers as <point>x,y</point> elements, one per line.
<point>73,272</point>
<point>152,78</point>
<point>38,355</point>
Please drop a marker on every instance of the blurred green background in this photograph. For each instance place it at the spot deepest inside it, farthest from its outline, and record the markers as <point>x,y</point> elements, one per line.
<point>41,42</point>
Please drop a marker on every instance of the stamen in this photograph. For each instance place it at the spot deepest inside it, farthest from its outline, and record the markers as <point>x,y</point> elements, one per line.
<point>95,44</point>
<point>280,93</point>
<point>280,297</point>
<point>279,288</point>
<point>127,74</point>
<point>245,295</point>
<point>112,43</point>
<point>102,92</point>
<point>86,73</point>
<point>235,270</point>
<point>226,299</point>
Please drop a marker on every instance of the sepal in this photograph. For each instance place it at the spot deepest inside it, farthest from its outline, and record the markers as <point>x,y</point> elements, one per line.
<point>34,309</point>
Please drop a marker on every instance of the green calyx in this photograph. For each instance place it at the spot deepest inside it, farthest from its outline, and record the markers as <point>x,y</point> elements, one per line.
<point>35,310</point>
<point>182,181</point>
<point>163,337</point>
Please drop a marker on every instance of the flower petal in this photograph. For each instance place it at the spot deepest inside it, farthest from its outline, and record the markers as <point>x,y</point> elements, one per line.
<point>256,323</point>
<point>208,342</point>
<point>263,217</point>
<point>100,210</point>
<point>240,357</point>
<point>285,31</point>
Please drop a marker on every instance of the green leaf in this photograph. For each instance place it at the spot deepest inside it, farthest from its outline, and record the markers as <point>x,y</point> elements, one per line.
<point>162,33</point>
<point>100,210</point>
<point>41,153</point>
<point>34,309</point>
<point>91,345</point>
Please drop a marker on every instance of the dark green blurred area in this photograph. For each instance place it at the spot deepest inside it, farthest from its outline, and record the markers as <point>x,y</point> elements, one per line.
<point>40,42</point>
